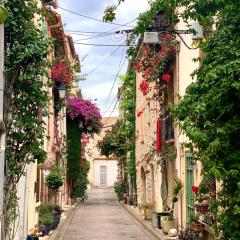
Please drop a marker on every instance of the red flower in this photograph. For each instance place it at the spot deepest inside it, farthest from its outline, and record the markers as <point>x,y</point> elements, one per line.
<point>139,113</point>
<point>138,67</point>
<point>156,60</point>
<point>166,77</point>
<point>148,70</point>
<point>144,87</point>
<point>195,189</point>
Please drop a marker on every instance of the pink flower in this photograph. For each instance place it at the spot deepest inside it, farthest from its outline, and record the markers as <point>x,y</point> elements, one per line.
<point>29,82</point>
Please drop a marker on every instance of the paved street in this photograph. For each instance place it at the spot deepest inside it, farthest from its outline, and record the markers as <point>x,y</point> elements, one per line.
<point>100,217</point>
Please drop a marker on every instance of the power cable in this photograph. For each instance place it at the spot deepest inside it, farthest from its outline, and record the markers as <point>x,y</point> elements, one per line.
<point>120,66</point>
<point>104,60</point>
<point>112,111</point>
<point>92,18</point>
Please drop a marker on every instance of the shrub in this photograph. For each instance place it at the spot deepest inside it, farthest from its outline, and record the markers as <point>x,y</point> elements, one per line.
<point>120,187</point>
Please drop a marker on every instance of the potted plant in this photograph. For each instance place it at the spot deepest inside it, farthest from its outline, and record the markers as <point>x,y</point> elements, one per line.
<point>201,198</point>
<point>194,221</point>
<point>148,210</point>
<point>46,217</point>
<point>3,14</point>
<point>169,222</point>
<point>56,216</point>
<point>33,235</point>
<point>55,179</point>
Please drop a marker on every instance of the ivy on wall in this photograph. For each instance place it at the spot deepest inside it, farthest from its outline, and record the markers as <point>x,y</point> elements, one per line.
<point>77,168</point>
<point>73,149</point>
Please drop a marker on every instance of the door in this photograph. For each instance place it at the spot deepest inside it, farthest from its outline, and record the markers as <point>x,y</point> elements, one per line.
<point>103,176</point>
<point>189,184</point>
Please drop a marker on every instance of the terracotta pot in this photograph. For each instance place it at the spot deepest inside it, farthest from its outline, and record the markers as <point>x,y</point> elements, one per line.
<point>167,225</point>
<point>202,208</point>
<point>197,226</point>
<point>148,213</point>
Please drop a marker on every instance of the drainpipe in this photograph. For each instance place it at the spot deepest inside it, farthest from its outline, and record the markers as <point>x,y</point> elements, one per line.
<point>2,125</point>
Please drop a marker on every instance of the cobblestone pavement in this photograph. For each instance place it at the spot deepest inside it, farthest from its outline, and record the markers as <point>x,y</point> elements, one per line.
<point>101,218</point>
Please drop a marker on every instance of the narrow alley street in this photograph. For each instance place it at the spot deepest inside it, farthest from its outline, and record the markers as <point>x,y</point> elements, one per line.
<point>100,217</point>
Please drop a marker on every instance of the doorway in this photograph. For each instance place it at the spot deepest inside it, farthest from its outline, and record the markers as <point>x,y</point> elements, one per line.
<point>103,176</point>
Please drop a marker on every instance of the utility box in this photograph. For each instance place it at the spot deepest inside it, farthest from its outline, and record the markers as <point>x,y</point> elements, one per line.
<point>151,37</point>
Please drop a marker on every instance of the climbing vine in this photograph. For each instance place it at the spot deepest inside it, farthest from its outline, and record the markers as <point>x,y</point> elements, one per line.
<point>26,71</point>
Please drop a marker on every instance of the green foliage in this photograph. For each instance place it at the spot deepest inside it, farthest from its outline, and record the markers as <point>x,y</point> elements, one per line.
<point>114,142</point>
<point>177,187</point>
<point>73,149</point>
<point>46,213</point>
<point>209,112</point>
<point>25,102</point>
<point>55,179</point>
<point>82,181</point>
<point>77,169</point>
<point>120,188</point>
<point>193,217</point>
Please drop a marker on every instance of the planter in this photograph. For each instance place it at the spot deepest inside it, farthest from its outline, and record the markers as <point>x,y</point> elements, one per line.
<point>202,208</point>
<point>32,238</point>
<point>148,213</point>
<point>167,225</point>
<point>3,14</point>
<point>56,220</point>
<point>197,226</point>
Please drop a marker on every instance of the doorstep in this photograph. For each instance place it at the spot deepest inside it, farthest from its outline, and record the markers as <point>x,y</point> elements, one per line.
<point>61,229</point>
<point>155,233</point>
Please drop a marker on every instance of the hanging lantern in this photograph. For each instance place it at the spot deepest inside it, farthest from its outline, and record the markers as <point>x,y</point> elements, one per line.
<point>159,137</point>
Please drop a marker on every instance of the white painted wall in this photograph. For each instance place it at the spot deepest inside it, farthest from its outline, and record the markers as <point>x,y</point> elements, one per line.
<point>112,170</point>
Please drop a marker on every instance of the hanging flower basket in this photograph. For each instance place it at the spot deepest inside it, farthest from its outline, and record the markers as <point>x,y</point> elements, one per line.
<point>61,73</point>
<point>3,14</point>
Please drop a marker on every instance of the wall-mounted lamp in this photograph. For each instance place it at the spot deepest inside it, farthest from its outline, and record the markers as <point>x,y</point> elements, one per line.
<point>62,91</point>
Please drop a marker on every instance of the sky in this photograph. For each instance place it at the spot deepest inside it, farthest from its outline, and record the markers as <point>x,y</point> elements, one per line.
<point>101,64</point>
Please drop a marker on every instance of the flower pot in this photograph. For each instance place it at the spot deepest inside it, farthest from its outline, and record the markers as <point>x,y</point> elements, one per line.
<point>167,225</point>
<point>148,213</point>
<point>202,208</point>
<point>3,14</point>
<point>32,238</point>
<point>197,226</point>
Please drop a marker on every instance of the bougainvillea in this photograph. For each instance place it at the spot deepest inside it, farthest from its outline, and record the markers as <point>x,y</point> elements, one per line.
<point>87,112</point>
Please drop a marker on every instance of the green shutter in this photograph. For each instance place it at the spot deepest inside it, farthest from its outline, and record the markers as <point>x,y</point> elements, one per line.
<point>189,184</point>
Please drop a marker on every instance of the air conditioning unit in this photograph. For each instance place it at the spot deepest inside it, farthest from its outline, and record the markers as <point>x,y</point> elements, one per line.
<point>53,3</point>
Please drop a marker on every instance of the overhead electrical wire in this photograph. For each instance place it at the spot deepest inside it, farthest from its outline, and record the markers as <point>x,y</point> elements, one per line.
<point>120,66</point>
<point>92,18</point>
<point>104,60</point>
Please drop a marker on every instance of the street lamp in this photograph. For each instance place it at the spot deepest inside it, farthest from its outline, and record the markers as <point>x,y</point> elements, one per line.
<point>62,91</point>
